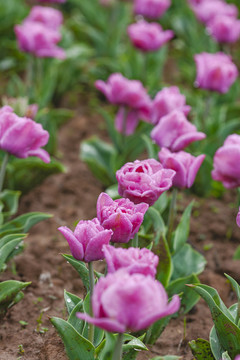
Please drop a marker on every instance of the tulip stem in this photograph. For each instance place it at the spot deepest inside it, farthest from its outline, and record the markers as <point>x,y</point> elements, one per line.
<point>171,216</point>
<point>3,170</point>
<point>135,241</point>
<point>117,355</point>
<point>91,287</point>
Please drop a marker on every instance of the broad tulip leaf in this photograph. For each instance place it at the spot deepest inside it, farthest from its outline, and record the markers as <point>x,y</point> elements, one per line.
<point>71,301</point>
<point>189,298</point>
<point>23,223</point>
<point>201,349</point>
<point>194,262</point>
<point>9,291</point>
<point>151,148</point>
<point>6,251</point>
<point>164,268</point>
<point>6,239</point>
<point>227,331</point>
<point>81,269</point>
<point>216,347</point>
<point>9,200</point>
<point>182,231</point>
<point>235,285</point>
<point>158,223</point>
<point>99,156</point>
<point>78,324</point>
<point>225,356</point>
<point>112,132</point>
<point>76,346</point>
<point>156,330</point>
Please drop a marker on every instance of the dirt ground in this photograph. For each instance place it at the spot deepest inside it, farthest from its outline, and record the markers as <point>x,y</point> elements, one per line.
<point>72,196</point>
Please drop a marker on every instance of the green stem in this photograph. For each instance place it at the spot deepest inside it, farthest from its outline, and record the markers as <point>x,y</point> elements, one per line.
<point>91,285</point>
<point>117,355</point>
<point>29,80</point>
<point>171,216</point>
<point>135,241</point>
<point>3,170</point>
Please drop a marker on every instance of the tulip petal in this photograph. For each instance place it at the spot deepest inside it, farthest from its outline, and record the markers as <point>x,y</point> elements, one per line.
<point>75,246</point>
<point>104,323</point>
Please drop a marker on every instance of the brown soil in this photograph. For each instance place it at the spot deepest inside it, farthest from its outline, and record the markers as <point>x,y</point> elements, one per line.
<point>72,196</point>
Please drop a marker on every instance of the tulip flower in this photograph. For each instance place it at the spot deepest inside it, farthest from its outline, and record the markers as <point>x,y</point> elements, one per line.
<point>135,104</point>
<point>238,224</point>
<point>215,72</point>
<point>175,132</point>
<point>148,36</point>
<point>205,11</point>
<point>39,40</point>
<point>133,260</point>
<point>123,302</point>
<point>185,165</point>
<point>152,9</point>
<point>167,100</point>
<point>51,18</point>
<point>143,181</point>
<point>226,162</point>
<point>87,240</point>
<point>21,136</point>
<point>122,216</point>
<point>224,29</point>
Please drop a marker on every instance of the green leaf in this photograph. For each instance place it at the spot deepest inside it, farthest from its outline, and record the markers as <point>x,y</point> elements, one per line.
<point>189,298</point>
<point>235,285</point>
<point>6,250</point>
<point>9,200</point>
<point>112,191</point>
<point>182,231</point>
<point>216,347</point>
<point>4,240</point>
<point>158,223</point>
<point>100,158</point>
<point>201,349</point>
<point>23,223</point>
<point>71,301</point>
<point>81,269</point>
<point>194,262</point>
<point>236,255</point>
<point>167,357</point>
<point>164,268</point>
<point>227,331</point>
<point>76,346</point>
<point>78,324</point>
<point>10,293</point>
<point>151,148</point>
<point>156,330</point>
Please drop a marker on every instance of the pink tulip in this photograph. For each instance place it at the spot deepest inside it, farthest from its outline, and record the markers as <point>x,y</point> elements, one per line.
<point>205,11</point>
<point>226,162</point>
<point>238,224</point>
<point>224,29</point>
<point>167,100</point>
<point>123,302</point>
<point>148,36</point>
<point>175,132</point>
<point>152,9</point>
<point>185,165</point>
<point>21,136</point>
<point>39,40</point>
<point>87,240</point>
<point>215,72</point>
<point>51,18</point>
<point>133,260</point>
<point>122,216</point>
<point>135,104</point>
<point>143,181</point>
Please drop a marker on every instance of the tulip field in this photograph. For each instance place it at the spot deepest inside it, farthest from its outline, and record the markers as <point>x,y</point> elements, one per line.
<point>120,180</point>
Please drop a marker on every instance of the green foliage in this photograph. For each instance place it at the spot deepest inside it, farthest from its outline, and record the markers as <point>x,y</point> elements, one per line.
<point>8,204</point>
<point>81,268</point>
<point>201,349</point>
<point>10,294</point>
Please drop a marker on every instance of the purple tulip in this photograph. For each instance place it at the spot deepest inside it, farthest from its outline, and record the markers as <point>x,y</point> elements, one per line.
<point>87,240</point>
<point>226,162</point>
<point>122,216</point>
<point>238,224</point>
<point>21,136</point>
<point>175,132</point>
<point>51,18</point>
<point>133,260</point>
<point>122,91</point>
<point>205,11</point>
<point>167,100</point>
<point>215,72</point>
<point>185,165</point>
<point>143,181</point>
<point>39,40</point>
<point>135,104</point>
<point>224,29</point>
<point>123,302</point>
<point>152,9</point>
<point>148,36</point>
